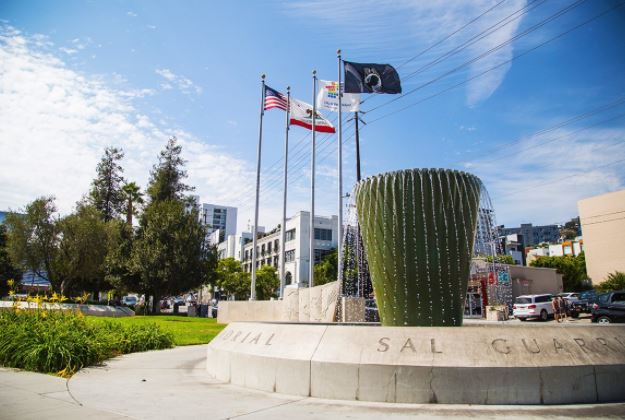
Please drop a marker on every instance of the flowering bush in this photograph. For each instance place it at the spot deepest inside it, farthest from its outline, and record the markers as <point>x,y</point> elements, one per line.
<point>43,339</point>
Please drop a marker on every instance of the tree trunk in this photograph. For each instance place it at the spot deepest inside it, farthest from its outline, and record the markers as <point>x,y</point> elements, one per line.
<point>156,305</point>
<point>129,213</point>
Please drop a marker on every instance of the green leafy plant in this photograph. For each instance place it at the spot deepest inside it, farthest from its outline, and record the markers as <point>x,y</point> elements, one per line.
<point>63,342</point>
<point>614,281</point>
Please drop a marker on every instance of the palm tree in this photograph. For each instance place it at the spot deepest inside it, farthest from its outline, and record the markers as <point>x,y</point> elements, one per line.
<point>132,195</point>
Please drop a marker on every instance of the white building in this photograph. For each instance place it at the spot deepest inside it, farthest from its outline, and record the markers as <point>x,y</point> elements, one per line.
<point>232,247</point>
<point>222,218</point>
<point>297,246</point>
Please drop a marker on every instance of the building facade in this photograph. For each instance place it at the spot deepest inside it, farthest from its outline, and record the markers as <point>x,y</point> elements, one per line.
<point>534,235</point>
<point>297,246</point>
<point>232,247</point>
<point>603,225</point>
<point>219,218</point>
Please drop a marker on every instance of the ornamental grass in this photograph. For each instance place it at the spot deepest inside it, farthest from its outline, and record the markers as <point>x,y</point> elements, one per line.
<point>62,342</point>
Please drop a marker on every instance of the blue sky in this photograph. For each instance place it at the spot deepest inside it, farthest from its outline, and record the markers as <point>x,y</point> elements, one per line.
<point>76,76</point>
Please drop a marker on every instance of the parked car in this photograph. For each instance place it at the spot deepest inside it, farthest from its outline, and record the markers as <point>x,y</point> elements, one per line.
<point>532,306</point>
<point>575,304</point>
<point>130,300</point>
<point>610,307</point>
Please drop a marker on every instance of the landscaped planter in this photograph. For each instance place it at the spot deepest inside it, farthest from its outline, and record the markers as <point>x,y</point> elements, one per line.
<point>418,228</point>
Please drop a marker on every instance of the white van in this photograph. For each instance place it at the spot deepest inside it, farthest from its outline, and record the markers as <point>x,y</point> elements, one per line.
<point>532,306</point>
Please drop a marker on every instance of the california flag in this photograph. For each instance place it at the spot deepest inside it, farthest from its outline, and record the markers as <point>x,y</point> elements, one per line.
<point>301,114</point>
<point>328,98</point>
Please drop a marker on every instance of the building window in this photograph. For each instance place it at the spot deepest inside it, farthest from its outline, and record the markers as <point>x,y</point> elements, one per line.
<point>269,247</point>
<point>323,234</point>
<point>289,256</point>
<point>275,261</point>
<point>276,245</point>
<point>290,235</point>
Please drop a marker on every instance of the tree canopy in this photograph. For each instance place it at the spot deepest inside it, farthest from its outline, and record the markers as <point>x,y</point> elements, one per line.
<point>166,182</point>
<point>33,238</point>
<point>573,270</point>
<point>86,240</point>
<point>614,281</point>
<point>8,269</point>
<point>106,189</point>
<point>326,270</point>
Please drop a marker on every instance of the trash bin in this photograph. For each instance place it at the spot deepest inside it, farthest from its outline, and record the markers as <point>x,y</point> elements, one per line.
<point>192,310</point>
<point>176,308</point>
<point>204,311</point>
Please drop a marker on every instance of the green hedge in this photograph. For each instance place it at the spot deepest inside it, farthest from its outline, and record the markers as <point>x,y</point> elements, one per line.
<point>63,342</point>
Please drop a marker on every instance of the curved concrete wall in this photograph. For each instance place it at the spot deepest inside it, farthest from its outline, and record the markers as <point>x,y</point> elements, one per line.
<point>470,365</point>
<point>315,304</point>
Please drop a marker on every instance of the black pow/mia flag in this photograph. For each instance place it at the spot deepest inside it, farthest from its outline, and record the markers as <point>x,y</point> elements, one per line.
<point>371,78</point>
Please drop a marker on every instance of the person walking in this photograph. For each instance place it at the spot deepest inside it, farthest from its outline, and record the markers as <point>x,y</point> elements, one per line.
<point>564,304</point>
<point>555,305</point>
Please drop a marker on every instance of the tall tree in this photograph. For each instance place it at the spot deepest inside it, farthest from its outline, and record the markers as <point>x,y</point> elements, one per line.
<point>120,271</point>
<point>167,175</point>
<point>169,251</point>
<point>33,238</point>
<point>106,189</point>
<point>8,269</point>
<point>132,197</point>
<point>85,242</point>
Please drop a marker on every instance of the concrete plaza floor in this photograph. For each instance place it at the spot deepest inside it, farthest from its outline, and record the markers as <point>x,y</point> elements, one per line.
<point>173,384</point>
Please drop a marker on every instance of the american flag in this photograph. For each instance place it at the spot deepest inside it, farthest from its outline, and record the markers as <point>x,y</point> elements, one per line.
<point>274,99</point>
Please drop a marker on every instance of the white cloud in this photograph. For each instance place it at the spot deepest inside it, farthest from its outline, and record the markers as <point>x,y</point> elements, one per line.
<point>541,178</point>
<point>400,29</point>
<point>184,84</point>
<point>68,51</point>
<point>131,14</point>
<point>55,124</point>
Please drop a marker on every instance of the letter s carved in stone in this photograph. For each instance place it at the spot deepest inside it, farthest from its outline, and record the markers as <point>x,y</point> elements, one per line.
<point>383,345</point>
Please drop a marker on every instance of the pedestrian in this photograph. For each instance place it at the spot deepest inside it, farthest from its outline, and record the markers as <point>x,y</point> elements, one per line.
<point>564,304</point>
<point>555,305</point>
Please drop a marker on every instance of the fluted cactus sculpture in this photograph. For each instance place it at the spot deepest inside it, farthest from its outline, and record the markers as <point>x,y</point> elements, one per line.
<point>418,228</point>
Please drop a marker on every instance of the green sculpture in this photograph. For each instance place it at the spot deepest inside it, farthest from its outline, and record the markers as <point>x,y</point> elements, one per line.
<point>418,228</point>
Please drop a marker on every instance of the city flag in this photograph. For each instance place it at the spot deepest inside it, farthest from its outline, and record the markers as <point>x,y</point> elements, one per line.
<point>274,99</point>
<point>301,114</point>
<point>328,97</point>
<point>371,78</point>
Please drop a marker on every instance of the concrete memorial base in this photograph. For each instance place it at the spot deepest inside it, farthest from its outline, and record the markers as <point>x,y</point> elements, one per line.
<point>477,364</point>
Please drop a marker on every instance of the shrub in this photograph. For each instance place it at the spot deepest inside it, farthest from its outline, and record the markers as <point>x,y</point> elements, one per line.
<point>63,342</point>
<point>614,281</point>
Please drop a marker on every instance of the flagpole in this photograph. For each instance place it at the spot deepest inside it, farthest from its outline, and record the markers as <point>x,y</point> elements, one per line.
<point>311,263</point>
<point>258,153</point>
<point>339,157</point>
<point>286,166</point>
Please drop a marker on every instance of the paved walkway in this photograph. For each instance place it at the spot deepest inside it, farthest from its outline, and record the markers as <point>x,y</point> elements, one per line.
<point>173,384</point>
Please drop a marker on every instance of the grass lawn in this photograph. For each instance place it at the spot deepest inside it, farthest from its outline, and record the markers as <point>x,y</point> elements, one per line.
<point>186,331</point>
